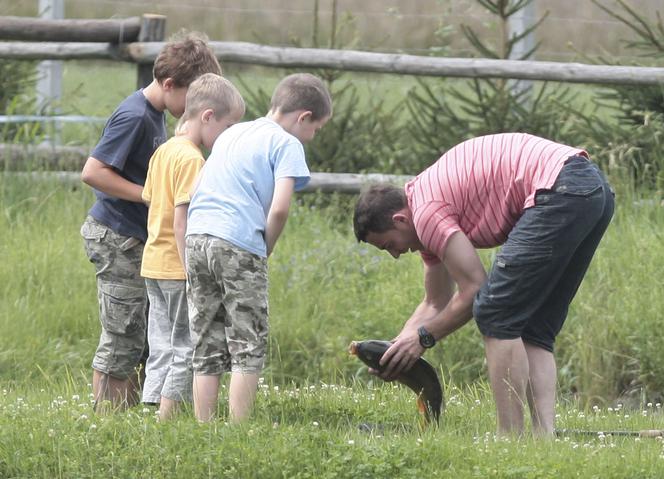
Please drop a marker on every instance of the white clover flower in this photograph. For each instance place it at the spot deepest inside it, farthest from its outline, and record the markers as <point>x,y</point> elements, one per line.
<point>351,442</point>
<point>315,423</point>
<point>75,397</point>
<point>145,410</point>
<point>93,426</point>
<point>50,433</point>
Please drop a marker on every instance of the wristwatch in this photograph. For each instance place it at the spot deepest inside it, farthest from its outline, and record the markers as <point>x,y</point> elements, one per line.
<point>426,338</point>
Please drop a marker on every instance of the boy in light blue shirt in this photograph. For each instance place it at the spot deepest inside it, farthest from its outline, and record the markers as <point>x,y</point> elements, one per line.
<point>236,215</point>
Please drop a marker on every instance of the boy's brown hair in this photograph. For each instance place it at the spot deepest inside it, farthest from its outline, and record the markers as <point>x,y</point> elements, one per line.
<point>184,58</point>
<point>302,91</point>
<point>215,92</point>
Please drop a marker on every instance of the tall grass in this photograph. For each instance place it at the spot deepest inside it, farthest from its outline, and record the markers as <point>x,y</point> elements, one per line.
<point>325,291</point>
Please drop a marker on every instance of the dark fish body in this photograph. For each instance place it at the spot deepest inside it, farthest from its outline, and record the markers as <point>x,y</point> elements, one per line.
<point>421,377</point>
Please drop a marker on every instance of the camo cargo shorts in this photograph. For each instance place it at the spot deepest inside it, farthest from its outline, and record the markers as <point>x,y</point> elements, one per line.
<point>122,298</point>
<point>228,311</point>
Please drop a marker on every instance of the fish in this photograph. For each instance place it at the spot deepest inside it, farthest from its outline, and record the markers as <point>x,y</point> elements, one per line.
<point>421,377</point>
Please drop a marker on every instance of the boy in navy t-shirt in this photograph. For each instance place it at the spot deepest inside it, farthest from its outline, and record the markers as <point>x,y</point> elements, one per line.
<point>116,227</point>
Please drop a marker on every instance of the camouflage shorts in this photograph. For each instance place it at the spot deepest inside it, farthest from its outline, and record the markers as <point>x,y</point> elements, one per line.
<point>122,298</point>
<point>228,312</point>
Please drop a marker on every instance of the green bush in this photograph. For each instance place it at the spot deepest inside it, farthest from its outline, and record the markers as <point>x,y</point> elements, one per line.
<point>17,97</point>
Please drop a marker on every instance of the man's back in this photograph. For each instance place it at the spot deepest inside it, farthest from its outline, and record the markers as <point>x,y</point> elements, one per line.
<point>237,183</point>
<point>482,186</point>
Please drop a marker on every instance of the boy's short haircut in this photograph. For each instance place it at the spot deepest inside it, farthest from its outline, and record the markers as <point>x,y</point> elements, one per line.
<point>215,92</point>
<point>375,207</point>
<point>184,58</point>
<point>302,91</point>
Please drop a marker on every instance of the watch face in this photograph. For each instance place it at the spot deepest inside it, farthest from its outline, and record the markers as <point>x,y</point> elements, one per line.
<point>426,338</point>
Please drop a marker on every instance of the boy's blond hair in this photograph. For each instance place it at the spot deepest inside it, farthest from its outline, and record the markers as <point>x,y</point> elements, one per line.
<point>302,91</point>
<point>184,58</point>
<point>214,92</point>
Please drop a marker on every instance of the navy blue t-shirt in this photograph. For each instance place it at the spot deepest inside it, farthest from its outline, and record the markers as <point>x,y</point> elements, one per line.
<point>130,137</point>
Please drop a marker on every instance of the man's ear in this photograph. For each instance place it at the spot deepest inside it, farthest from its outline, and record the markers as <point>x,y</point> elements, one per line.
<point>400,218</point>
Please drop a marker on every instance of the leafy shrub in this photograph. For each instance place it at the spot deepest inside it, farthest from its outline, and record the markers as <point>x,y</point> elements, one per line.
<point>18,82</point>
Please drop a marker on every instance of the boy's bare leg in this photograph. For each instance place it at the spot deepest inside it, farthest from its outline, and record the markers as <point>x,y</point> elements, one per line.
<point>206,395</point>
<point>542,389</point>
<point>167,408</point>
<point>241,395</point>
<point>508,373</point>
<point>108,388</point>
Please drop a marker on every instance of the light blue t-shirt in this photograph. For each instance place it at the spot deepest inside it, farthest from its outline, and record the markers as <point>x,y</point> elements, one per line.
<point>235,192</point>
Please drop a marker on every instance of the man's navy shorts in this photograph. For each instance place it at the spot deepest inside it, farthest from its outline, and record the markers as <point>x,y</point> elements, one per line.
<point>540,267</point>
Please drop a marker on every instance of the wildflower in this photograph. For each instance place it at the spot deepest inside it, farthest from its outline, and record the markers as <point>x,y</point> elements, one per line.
<point>75,397</point>
<point>82,417</point>
<point>315,423</point>
<point>50,433</point>
<point>351,442</point>
<point>145,410</point>
<point>93,427</point>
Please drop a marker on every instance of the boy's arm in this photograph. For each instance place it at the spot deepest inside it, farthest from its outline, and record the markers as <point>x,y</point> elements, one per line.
<point>180,228</point>
<point>104,178</point>
<point>278,214</point>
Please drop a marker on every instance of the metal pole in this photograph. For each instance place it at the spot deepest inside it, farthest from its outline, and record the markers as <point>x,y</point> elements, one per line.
<point>49,83</point>
<point>518,23</point>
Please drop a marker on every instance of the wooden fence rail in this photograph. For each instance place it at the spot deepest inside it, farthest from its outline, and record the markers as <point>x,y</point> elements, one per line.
<point>70,30</point>
<point>349,60</point>
<point>69,160</point>
<point>345,183</point>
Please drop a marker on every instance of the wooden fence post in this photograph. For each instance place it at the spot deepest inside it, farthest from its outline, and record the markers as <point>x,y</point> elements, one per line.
<point>153,28</point>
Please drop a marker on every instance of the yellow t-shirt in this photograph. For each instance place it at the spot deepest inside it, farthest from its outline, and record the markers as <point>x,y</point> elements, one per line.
<point>172,172</point>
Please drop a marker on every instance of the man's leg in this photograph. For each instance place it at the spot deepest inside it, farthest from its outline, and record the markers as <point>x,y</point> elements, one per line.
<point>542,389</point>
<point>241,395</point>
<point>206,395</point>
<point>508,372</point>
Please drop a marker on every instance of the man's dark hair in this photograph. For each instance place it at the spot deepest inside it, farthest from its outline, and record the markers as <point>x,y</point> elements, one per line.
<point>375,207</point>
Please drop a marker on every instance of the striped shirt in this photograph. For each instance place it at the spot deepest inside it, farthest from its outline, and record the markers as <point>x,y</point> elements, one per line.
<point>481,187</point>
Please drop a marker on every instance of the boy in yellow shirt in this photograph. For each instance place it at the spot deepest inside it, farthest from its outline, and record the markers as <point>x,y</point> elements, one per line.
<point>212,105</point>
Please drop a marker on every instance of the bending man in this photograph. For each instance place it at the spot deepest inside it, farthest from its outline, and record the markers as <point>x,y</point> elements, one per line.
<point>547,205</point>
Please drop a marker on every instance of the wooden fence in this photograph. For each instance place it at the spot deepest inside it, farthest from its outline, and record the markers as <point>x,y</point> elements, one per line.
<point>138,40</point>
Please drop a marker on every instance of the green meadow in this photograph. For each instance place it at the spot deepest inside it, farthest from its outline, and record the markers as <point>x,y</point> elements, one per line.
<point>318,413</point>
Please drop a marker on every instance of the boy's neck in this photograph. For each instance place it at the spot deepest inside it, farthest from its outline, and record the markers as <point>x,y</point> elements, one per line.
<point>285,121</point>
<point>154,94</point>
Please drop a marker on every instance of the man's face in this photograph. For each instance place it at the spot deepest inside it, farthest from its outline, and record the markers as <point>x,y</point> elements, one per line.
<point>396,241</point>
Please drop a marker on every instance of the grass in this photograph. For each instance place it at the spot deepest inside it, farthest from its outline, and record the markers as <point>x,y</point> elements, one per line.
<point>312,432</point>
<point>325,290</point>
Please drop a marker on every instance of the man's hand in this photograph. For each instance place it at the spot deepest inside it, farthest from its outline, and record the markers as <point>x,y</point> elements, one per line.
<point>401,356</point>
